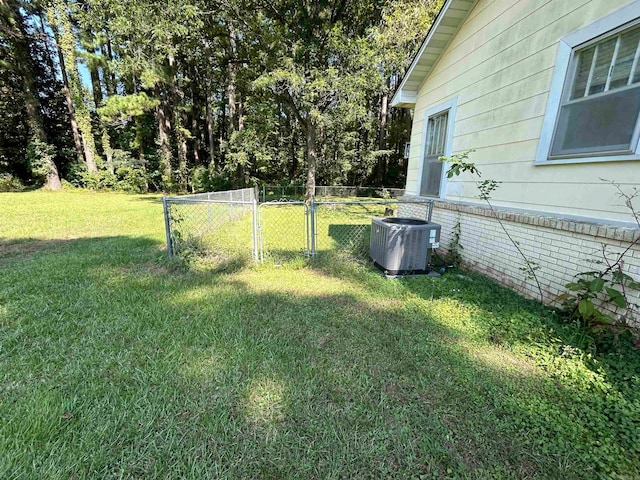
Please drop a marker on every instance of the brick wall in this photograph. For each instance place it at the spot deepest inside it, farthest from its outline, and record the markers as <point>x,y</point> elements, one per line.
<point>561,247</point>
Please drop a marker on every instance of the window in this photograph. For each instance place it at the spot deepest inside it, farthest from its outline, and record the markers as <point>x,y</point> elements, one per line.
<point>407,150</point>
<point>593,113</point>
<point>433,150</point>
<point>600,113</point>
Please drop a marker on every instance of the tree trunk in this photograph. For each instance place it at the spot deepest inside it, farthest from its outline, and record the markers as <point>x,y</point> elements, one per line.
<point>195,132</point>
<point>312,157</point>
<point>92,64</point>
<point>165,151</point>
<point>61,25</point>
<point>107,150</point>
<point>293,166</point>
<point>25,66</point>
<point>382,137</point>
<point>178,126</point>
<point>231,86</point>
<point>109,76</point>
<point>72,113</point>
<point>210,134</point>
<point>240,117</point>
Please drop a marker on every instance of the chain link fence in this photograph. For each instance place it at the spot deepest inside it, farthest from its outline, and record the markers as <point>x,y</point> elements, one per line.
<point>221,224</point>
<point>269,193</point>
<point>283,231</point>
<point>234,224</point>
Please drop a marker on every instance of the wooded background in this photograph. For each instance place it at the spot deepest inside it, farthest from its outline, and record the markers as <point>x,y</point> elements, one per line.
<point>188,95</point>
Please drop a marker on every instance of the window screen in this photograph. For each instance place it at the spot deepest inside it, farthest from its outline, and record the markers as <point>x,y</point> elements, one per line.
<point>601,112</point>
<point>434,149</point>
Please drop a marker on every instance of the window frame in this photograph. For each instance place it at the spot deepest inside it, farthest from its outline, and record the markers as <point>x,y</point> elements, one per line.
<point>562,80</point>
<point>451,107</point>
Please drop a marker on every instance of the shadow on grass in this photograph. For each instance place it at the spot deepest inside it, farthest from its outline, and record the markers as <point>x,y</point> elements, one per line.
<point>120,367</point>
<point>152,197</point>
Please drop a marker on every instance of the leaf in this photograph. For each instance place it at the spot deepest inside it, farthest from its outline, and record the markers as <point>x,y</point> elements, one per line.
<point>634,285</point>
<point>563,296</point>
<point>619,301</point>
<point>616,297</point>
<point>574,287</point>
<point>619,276</point>
<point>596,285</point>
<point>586,308</point>
<point>605,319</point>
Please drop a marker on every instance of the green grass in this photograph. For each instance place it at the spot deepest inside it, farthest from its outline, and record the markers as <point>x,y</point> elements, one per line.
<point>116,363</point>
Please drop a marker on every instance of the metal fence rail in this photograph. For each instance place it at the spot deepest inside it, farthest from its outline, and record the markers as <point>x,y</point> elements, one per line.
<point>233,224</point>
<point>296,192</point>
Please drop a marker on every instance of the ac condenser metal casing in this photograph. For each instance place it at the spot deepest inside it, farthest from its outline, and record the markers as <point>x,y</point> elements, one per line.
<point>401,246</point>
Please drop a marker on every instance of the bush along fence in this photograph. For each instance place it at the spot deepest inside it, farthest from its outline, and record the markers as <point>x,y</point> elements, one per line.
<point>235,224</point>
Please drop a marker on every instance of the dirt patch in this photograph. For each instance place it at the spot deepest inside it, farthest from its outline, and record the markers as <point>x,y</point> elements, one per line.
<point>28,247</point>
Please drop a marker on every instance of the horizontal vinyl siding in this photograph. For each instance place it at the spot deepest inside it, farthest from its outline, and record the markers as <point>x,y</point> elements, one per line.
<point>500,66</point>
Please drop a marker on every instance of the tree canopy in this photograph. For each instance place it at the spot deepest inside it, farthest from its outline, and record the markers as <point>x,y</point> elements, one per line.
<point>188,95</point>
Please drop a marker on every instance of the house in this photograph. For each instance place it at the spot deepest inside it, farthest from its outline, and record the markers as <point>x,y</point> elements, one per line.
<point>547,95</point>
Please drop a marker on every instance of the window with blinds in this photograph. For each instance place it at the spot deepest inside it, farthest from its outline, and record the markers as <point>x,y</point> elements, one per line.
<point>601,107</point>
<point>435,145</point>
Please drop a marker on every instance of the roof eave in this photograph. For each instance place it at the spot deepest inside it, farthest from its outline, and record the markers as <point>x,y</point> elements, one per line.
<point>446,25</point>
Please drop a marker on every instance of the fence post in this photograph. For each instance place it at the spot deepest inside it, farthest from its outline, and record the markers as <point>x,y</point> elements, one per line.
<point>167,226</point>
<point>313,227</point>
<point>306,222</point>
<point>255,230</point>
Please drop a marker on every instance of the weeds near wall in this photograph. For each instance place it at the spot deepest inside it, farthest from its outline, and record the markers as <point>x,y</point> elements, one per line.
<point>455,257</point>
<point>596,292</point>
<point>459,164</point>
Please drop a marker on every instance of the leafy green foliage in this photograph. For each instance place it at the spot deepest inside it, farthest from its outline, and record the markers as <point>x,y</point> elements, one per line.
<point>600,298</point>
<point>9,183</point>
<point>191,85</point>
<point>593,294</point>
<point>122,108</point>
<point>40,156</point>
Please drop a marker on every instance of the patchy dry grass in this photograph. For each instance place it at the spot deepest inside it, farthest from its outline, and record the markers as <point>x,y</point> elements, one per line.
<point>115,364</point>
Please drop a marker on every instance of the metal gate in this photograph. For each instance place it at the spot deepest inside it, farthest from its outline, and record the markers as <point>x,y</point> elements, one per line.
<point>283,231</point>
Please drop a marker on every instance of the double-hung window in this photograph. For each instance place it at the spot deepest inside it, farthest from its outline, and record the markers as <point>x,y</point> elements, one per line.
<point>600,111</point>
<point>593,112</point>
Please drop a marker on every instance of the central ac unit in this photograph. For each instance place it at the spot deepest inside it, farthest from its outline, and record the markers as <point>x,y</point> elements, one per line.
<point>402,246</point>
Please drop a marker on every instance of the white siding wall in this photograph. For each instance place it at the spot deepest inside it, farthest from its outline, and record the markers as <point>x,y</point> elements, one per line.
<point>499,66</point>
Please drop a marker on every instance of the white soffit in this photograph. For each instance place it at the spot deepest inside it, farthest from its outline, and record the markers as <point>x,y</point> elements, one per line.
<point>446,25</point>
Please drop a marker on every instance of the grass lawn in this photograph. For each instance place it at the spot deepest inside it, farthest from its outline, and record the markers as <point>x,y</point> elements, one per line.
<point>115,364</point>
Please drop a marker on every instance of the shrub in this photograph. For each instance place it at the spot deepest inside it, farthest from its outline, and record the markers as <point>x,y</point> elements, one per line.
<point>9,183</point>
<point>100,180</point>
<point>131,179</point>
<point>203,179</point>
<point>200,179</point>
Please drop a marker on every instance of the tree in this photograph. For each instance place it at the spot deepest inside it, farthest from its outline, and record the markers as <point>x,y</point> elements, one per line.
<point>40,152</point>
<point>58,12</point>
<point>316,68</point>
